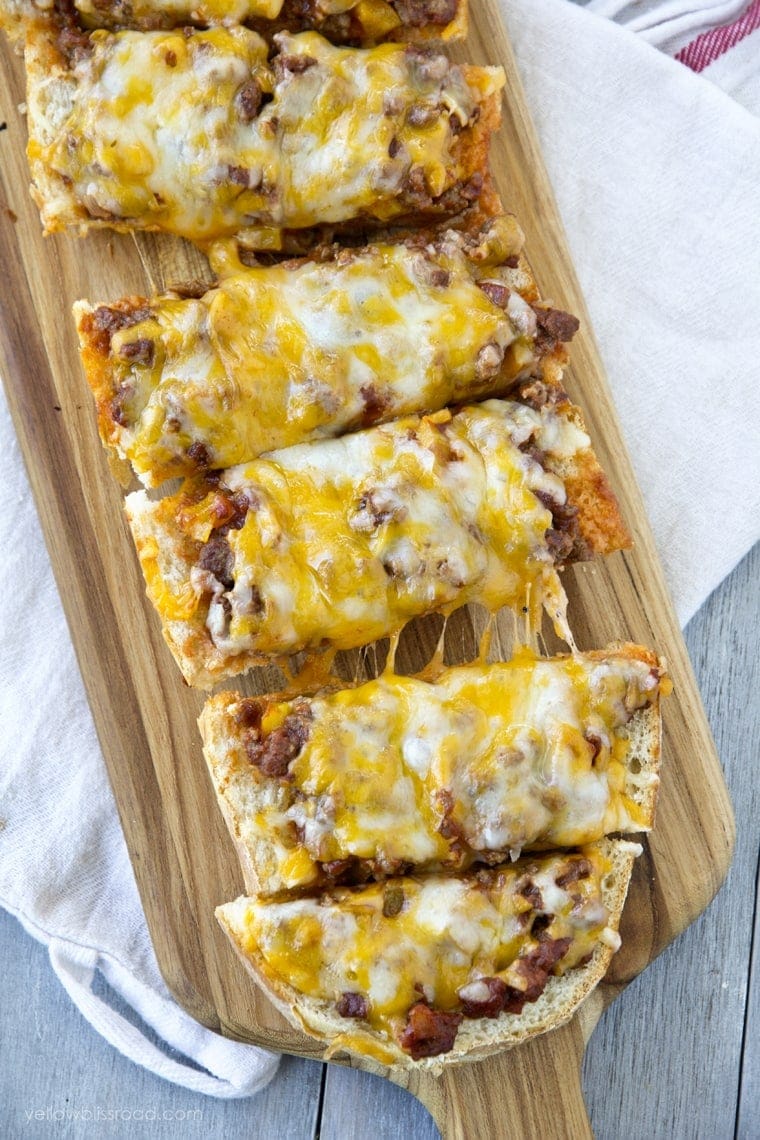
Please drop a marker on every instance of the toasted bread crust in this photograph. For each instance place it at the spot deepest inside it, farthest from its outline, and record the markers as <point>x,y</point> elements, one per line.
<point>465,296</point>
<point>168,555</point>
<point>53,92</point>
<point>476,1038</point>
<point>394,22</point>
<point>253,800</point>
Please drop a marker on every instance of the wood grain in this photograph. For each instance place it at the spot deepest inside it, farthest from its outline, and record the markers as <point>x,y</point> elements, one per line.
<point>676,1033</point>
<point>146,717</point>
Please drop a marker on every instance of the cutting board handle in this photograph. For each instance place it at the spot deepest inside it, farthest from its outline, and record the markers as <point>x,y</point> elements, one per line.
<point>529,1093</point>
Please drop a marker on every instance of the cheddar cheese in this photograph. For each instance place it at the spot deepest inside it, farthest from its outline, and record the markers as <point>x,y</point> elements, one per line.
<point>340,542</point>
<point>416,972</point>
<point>202,134</point>
<point>281,354</point>
<point>356,22</point>
<point>402,774</point>
<point>341,21</point>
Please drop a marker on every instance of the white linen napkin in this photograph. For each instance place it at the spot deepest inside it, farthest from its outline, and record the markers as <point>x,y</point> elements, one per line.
<point>669,24</point>
<point>657,175</point>
<point>657,178</point>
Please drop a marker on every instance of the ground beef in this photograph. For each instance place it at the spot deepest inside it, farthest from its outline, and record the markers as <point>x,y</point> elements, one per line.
<point>190,289</point>
<point>274,752</point>
<point>248,100</point>
<point>418,13</point>
<point>429,1032</point>
<point>563,539</point>
<point>448,827</point>
<point>578,869</point>
<point>105,321</point>
<point>483,998</point>
<point>199,455</point>
<point>217,558</point>
<point>495,292</point>
<point>230,508</point>
<point>428,64</point>
<point>285,65</point>
<point>140,351</point>
<point>74,42</point>
<point>352,1005</point>
<point>538,395</point>
<point>239,175</point>
<point>249,713</point>
<point>554,327</point>
<point>540,925</point>
<point>536,966</point>
<point>530,891</point>
<point>489,361</point>
<point>414,188</point>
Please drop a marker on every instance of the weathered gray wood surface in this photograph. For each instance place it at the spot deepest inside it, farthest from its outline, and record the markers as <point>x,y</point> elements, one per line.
<point>673,1041</point>
<point>676,1057</point>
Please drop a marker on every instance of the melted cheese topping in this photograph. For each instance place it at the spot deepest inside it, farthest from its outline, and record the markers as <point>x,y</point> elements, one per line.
<point>173,13</point>
<point>156,135</point>
<point>488,759</point>
<point>343,153</point>
<point>155,138</point>
<point>449,932</point>
<point>348,539</point>
<point>371,19</point>
<point>275,356</point>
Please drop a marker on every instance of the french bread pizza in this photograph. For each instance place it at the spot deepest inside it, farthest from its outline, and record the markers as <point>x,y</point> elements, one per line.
<point>356,22</point>
<point>419,972</point>
<point>368,414</point>
<point>202,134</point>
<point>281,354</point>
<point>337,543</point>
<point>404,775</point>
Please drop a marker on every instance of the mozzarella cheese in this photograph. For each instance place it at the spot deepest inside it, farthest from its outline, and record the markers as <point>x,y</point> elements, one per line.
<point>278,355</point>
<point>444,934</point>
<point>152,13</point>
<point>487,759</point>
<point>343,541</point>
<point>358,21</point>
<point>164,130</point>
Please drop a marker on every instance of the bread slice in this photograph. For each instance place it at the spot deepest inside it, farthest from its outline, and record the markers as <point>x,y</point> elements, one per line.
<point>385,971</point>
<point>203,135</point>
<point>17,16</point>
<point>337,543</point>
<point>356,22</point>
<point>401,775</point>
<point>282,354</point>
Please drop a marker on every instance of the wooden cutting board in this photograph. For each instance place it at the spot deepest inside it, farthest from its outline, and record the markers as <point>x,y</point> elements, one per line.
<point>145,715</point>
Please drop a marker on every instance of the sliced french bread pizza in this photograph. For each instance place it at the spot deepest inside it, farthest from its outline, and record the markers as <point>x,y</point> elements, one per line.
<point>281,354</point>
<point>420,971</point>
<point>403,775</point>
<point>356,22</point>
<point>337,543</point>
<point>204,135</point>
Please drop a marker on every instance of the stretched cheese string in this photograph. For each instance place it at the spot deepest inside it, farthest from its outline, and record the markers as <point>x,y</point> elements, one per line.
<point>316,672</point>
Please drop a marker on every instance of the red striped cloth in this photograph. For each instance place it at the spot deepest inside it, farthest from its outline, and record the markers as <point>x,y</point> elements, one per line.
<point>708,47</point>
